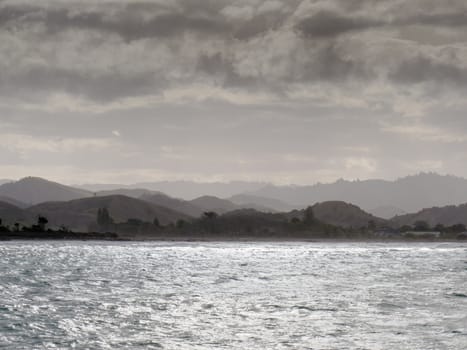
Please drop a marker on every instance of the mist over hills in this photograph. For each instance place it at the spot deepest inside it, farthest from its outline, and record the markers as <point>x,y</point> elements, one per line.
<point>343,214</point>
<point>387,211</point>
<point>445,196</point>
<point>176,204</point>
<point>129,192</point>
<point>34,190</point>
<point>260,203</point>
<point>380,197</point>
<point>211,203</point>
<point>13,201</point>
<point>10,214</point>
<point>81,213</point>
<point>408,194</point>
<point>447,216</point>
<point>184,189</point>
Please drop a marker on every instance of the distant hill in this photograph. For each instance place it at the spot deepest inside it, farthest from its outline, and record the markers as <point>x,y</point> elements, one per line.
<point>260,203</point>
<point>185,189</point>
<point>410,193</point>
<point>448,216</point>
<point>4,181</point>
<point>79,214</point>
<point>387,211</point>
<point>129,192</point>
<point>200,205</point>
<point>11,214</point>
<point>343,214</point>
<point>34,190</point>
<point>176,204</point>
<point>13,202</point>
<point>211,203</point>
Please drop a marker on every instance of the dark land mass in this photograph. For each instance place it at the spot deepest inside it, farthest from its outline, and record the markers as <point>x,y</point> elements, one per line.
<point>80,214</point>
<point>148,214</point>
<point>446,216</point>
<point>58,235</point>
<point>241,225</point>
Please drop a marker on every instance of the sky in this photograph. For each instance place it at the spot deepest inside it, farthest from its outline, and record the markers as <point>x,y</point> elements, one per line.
<point>293,91</point>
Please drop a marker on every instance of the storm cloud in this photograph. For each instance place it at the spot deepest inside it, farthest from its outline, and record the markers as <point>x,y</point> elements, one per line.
<point>100,50</point>
<point>164,81</point>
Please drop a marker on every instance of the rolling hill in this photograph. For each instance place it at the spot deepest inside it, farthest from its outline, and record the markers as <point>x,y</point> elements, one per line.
<point>129,192</point>
<point>34,190</point>
<point>11,214</point>
<point>211,203</point>
<point>260,203</point>
<point>176,204</point>
<point>448,216</point>
<point>387,211</point>
<point>79,214</point>
<point>343,214</point>
<point>184,189</point>
<point>409,194</point>
<point>13,202</point>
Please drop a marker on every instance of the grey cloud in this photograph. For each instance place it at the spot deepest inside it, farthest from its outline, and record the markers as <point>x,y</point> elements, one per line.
<point>454,19</point>
<point>326,24</point>
<point>331,65</point>
<point>265,51</point>
<point>423,69</point>
<point>104,87</point>
<point>129,25</point>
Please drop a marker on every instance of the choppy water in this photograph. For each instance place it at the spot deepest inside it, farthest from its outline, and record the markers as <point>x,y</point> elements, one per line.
<point>232,296</point>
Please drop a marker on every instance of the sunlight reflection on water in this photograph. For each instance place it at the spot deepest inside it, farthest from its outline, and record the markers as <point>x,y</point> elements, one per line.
<point>104,295</point>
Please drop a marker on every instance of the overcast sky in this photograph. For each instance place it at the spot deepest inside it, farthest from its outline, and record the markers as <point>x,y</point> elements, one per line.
<point>292,91</point>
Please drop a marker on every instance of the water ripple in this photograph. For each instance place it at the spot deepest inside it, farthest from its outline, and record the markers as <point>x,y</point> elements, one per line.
<point>102,295</point>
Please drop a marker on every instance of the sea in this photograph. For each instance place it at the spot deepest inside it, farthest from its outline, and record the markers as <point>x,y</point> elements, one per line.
<point>218,295</point>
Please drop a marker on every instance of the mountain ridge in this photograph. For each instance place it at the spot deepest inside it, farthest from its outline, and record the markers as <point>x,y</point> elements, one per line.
<point>33,190</point>
<point>80,213</point>
<point>409,194</point>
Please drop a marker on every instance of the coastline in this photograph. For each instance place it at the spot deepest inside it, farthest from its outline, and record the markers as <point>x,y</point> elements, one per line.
<point>96,236</point>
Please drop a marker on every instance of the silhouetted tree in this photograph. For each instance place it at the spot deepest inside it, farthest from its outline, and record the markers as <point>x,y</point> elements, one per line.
<point>372,225</point>
<point>309,218</point>
<point>421,225</point>
<point>209,222</point>
<point>41,222</point>
<point>156,222</point>
<point>3,228</point>
<point>180,223</point>
<point>210,215</point>
<point>458,228</point>
<point>104,220</point>
<point>405,228</point>
<point>295,220</point>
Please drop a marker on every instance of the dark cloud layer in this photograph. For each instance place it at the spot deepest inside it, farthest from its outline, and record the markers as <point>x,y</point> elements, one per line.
<point>326,24</point>
<point>281,90</point>
<point>263,45</point>
<point>422,69</point>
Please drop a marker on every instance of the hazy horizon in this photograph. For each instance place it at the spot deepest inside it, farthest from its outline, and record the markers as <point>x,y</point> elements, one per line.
<point>266,183</point>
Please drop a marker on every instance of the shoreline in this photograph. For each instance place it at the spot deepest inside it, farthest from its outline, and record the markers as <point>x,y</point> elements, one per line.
<point>112,237</point>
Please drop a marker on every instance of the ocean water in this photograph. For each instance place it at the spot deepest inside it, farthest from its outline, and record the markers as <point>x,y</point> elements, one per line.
<point>103,295</point>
